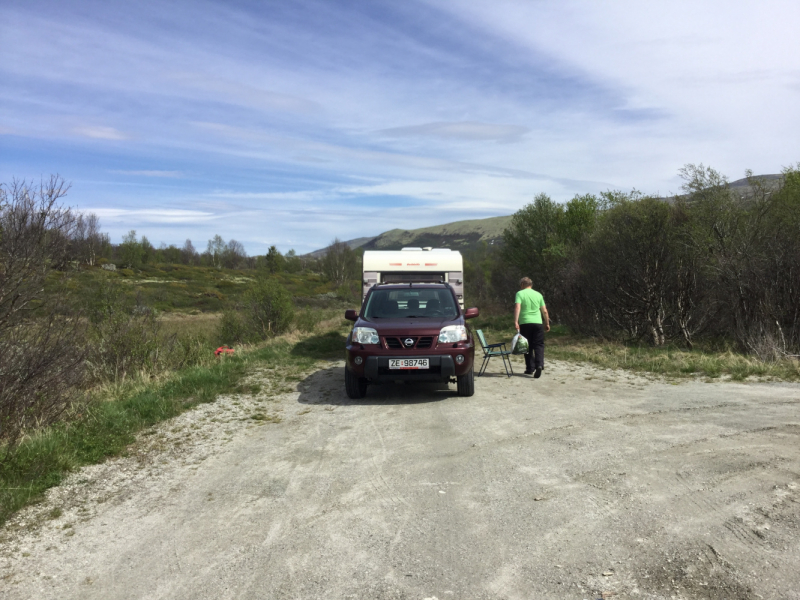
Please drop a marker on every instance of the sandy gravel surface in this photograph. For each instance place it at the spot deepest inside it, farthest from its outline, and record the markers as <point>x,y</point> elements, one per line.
<point>582,484</point>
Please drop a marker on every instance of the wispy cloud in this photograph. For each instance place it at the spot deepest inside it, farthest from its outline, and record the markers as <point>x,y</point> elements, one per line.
<point>151,215</point>
<point>100,133</point>
<point>234,92</point>
<point>462,130</point>
<point>151,173</point>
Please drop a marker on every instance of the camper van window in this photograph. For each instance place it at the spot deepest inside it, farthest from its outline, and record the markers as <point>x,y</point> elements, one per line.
<point>398,304</point>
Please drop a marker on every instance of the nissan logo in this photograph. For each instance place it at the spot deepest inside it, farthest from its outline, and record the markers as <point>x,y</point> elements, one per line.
<point>408,342</point>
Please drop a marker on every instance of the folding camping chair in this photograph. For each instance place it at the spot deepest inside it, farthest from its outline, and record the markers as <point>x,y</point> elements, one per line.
<point>492,350</point>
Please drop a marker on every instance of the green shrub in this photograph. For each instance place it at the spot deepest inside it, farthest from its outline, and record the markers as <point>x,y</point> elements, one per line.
<point>124,334</point>
<point>124,344</point>
<point>268,308</point>
<point>308,319</point>
<point>187,351</point>
<point>232,328</point>
<point>209,293</point>
<point>349,292</point>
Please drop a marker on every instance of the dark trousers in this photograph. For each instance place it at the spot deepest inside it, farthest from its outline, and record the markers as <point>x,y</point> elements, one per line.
<point>534,333</point>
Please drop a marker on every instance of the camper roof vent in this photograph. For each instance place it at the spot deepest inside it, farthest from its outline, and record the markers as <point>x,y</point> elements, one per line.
<point>413,249</point>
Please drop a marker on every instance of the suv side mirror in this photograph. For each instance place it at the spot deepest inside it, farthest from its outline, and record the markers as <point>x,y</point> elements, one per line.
<point>351,315</point>
<point>472,313</point>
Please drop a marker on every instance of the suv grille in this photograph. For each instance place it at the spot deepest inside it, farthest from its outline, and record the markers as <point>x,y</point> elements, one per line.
<point>398,343</point>
<point>425,342</point>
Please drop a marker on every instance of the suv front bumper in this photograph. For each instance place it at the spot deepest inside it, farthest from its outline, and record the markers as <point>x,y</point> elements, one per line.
<point>441,367</point>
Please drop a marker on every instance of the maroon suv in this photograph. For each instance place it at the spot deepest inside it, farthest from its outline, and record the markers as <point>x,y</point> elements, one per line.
<point>410,331</point>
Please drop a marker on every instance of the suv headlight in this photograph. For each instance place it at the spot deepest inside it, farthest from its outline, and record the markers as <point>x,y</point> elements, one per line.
<point>452,334</point>
<point>365,335</point>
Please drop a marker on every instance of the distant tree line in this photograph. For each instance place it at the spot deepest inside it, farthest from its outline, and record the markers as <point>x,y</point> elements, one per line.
<point>135,252</point>
<point>85,244</point>
<point>711,264</point>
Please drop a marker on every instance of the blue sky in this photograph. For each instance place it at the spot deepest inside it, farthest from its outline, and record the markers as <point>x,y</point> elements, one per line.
<point>290,123</point>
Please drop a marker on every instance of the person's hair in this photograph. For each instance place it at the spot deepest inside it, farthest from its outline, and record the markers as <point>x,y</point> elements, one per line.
<point>525,282</point>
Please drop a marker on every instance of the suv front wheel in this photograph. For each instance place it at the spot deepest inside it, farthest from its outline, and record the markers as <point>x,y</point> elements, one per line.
<point>466,383</point>
<point>356,386</point>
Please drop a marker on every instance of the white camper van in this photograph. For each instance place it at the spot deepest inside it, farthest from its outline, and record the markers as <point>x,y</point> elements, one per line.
<point>414,265</point>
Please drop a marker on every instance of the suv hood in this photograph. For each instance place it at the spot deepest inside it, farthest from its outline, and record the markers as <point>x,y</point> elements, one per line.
<point>409,326</point>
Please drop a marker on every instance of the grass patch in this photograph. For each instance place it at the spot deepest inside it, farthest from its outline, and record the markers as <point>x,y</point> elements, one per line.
<point>105,429</point>
<point>203,325</point>
<point>673,361</point>
<point>494,324</point>
<point>328,346</point>
<point>668,360</point>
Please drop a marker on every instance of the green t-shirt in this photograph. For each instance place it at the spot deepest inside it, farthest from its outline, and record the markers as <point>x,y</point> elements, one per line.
<point>530,302</point>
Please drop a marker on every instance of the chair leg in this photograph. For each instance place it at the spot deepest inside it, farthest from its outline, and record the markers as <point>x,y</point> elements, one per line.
<point>483,365</point>
<point>510,368</point>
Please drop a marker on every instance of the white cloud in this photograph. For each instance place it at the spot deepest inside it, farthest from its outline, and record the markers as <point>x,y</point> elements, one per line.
<point>299,196</point>
<point>150,215</point>
<point>100,133</point>
<point>451,195</point>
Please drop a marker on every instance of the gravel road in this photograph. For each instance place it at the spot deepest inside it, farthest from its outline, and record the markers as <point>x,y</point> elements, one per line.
<point>582,484</point>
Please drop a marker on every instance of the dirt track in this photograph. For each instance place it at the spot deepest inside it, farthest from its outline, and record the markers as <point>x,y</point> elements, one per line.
<point>583,484</point>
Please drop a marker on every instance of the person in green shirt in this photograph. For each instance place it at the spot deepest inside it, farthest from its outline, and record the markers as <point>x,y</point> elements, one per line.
<point>531,320</point>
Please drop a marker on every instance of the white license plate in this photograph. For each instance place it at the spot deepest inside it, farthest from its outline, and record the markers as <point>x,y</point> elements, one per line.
<point>408,363</point>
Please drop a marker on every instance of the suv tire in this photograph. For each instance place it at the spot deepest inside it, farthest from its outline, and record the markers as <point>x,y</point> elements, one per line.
<point>466,383</point>
<point>356,386</point>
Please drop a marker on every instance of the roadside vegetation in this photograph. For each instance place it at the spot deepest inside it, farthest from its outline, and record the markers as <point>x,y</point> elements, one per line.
<point>707,361</point>
<point>715,271</point>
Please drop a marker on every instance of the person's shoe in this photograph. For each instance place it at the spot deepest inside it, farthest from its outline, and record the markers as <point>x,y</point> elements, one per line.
<point>528,372</point>
<point>537,373</point>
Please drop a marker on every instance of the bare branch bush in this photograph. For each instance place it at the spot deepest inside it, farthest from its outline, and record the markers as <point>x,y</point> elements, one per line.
<point>87,242</point>
<point>34,239</point>
<point>41,374</point>
<point>41,349</point>
<point>339,263</point>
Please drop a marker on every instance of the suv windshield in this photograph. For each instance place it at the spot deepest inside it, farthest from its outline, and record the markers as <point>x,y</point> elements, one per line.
<point>397,304</point>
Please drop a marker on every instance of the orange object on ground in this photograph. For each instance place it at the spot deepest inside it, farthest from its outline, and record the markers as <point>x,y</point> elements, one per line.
<point>223,350</point>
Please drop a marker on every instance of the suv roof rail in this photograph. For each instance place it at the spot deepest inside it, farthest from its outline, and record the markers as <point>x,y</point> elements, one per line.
<point>410,283</point>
